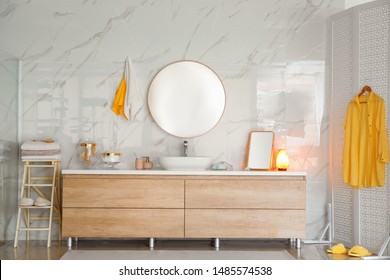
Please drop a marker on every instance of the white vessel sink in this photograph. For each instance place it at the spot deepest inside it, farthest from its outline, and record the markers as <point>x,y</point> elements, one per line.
<point>184,163</point>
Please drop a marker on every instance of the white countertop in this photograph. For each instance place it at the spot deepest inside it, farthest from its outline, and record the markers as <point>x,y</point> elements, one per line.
<point>169,172</point>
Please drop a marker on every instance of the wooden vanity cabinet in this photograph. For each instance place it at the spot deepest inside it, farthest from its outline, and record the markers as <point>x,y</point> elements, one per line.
<point>246,208</point>
<point>121,206</point>
<point>172,206</point>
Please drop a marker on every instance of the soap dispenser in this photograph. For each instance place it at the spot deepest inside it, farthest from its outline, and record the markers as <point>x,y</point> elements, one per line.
<point>147,163</point>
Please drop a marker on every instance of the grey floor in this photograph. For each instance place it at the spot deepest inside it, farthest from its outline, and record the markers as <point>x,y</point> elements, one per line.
<point>37,250</point>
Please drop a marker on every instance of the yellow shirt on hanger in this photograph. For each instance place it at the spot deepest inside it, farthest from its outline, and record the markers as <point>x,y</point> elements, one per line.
<point>366,147</point>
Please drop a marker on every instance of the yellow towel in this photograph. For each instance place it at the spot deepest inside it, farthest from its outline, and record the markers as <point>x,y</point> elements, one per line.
<point>337,249</point>
<point>128,100</point>
<point>118,107</point>
<point>359,251</point>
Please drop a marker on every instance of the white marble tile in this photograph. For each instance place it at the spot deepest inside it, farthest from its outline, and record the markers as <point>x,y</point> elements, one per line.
<point>9,147</point>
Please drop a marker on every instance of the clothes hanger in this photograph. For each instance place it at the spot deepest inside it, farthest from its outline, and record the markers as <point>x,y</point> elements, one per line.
<point>365,89</point>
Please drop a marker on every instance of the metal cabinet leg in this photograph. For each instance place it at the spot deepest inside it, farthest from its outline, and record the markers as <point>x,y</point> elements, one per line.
<point>69,242</point>
<point>151,242</point>
<point>216,243</point>
<point>298,243</point>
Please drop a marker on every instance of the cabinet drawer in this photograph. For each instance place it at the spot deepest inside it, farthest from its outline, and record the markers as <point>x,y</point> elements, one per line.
<point>123,223</point>
<point>250,223</point>
<point>123,193</point>
<point>255,194</point>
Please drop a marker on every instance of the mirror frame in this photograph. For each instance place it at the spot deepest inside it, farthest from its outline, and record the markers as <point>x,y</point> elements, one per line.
<point>252,150</point>
<point>208,128</point>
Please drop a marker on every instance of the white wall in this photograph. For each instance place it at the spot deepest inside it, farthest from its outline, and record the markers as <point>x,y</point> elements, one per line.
<point>270,56</point>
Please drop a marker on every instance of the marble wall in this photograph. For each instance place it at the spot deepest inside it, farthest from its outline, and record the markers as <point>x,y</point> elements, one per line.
<point>9,145</point>
<point>269,54</point>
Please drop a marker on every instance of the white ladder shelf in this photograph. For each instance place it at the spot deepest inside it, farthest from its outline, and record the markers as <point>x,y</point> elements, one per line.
<point>46,187</point>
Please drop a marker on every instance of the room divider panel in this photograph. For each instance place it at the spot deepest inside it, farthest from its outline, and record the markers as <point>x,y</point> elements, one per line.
<point>359,54</point>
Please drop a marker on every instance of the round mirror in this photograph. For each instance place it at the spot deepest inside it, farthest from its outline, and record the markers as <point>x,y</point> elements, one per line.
<point>186,99</point>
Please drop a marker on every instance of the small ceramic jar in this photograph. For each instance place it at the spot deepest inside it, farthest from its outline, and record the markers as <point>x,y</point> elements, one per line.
<point>139,164</point>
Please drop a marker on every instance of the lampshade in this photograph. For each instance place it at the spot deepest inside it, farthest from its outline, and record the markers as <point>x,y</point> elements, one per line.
<point>282,161</point>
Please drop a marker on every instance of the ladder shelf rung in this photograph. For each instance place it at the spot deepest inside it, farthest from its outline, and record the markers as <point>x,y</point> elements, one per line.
<point>45,178</point>
<point>37,185</point>
<point>35,207</point>
<point>40,165</point>
<point>43,218</point>
<point>32,229</point>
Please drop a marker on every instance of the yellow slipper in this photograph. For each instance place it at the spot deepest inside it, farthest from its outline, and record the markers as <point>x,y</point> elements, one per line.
<point>359,251</point>
<point>337,249</point>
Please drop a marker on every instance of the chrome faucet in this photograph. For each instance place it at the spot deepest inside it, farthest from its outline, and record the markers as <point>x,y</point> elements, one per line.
<point>185,146</point>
